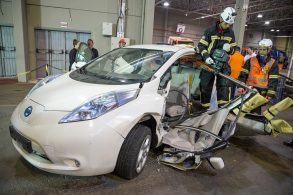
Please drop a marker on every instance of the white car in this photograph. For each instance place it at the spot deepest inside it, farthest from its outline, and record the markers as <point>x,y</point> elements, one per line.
<point>101,118</point>
<point>106,115</point>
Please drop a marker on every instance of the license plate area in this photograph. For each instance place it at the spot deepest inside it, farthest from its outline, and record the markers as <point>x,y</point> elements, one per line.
<point>25,143</point>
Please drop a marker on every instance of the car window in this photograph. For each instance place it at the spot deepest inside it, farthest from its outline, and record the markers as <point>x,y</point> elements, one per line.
<point>127,65</point>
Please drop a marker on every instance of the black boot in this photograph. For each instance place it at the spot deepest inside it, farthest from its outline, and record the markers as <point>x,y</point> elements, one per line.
<point>290,144</point>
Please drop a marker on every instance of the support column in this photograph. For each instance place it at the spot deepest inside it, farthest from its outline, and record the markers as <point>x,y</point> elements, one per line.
<point>148,22</point>
<point>20,35</point>
<point>165,40</point>
<point>239,25</point>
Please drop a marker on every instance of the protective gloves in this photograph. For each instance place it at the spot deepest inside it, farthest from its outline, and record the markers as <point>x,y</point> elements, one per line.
<point>209,61</point>
<point>226,47</point>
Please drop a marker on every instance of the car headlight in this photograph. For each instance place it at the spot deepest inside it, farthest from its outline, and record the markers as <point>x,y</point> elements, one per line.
<point>99,106</point>
<point>41,83</point>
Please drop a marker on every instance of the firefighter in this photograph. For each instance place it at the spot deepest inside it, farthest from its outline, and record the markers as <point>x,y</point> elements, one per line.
<point>218,36</point>
<point>261,71</point>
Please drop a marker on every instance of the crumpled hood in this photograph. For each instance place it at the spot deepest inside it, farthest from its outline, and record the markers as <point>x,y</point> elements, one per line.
<point>66,94</point>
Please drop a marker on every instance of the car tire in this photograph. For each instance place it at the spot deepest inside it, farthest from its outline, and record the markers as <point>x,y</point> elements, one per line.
<point>133,153</point>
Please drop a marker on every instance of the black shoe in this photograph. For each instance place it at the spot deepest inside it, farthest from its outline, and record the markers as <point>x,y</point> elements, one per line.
<point>290,144</point>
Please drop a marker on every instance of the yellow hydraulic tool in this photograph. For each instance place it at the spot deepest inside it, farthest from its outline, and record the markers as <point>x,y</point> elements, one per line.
<point>271,112</point>
<point>254,102</point>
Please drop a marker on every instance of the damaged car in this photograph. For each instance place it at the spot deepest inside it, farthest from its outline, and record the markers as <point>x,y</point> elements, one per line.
<point>108,113</point>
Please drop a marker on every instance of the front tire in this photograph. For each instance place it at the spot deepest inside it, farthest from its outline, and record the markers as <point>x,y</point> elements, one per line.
<point>133,153</point>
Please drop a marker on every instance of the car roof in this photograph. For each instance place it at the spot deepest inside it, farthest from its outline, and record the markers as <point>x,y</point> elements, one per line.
<point>160,47</point>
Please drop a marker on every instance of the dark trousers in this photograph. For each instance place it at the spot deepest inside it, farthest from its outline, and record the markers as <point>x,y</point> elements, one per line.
<point>206,87</point>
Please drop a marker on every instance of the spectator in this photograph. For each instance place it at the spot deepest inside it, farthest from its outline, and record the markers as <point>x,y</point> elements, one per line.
<point>95,52</point>
<point>122,43</point>
<point>250,53</point>
<point>72,53</point>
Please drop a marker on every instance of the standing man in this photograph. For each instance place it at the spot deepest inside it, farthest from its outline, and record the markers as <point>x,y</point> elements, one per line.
<point>219,36</point>
<point>90,44</point>
<point>72,53</point>
<point>261,71</point>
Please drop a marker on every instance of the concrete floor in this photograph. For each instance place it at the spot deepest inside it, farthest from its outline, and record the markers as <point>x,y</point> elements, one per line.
<point>253,165</point>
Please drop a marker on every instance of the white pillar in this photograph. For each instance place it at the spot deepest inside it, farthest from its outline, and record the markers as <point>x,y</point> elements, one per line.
<point>148,21</point>
<point>239,25</point>
<point>20,35</point>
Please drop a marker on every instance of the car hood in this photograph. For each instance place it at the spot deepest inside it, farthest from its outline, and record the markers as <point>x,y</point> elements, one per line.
<point>66,94</point>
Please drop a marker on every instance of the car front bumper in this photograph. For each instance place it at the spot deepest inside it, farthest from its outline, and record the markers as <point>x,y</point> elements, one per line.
<point>79,148</point>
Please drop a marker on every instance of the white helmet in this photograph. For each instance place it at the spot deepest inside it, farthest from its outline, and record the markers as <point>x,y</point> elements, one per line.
<point>266,43</point>
<point>229,15</point>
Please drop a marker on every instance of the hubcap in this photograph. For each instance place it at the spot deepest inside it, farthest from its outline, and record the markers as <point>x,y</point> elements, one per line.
<point>143,153</point>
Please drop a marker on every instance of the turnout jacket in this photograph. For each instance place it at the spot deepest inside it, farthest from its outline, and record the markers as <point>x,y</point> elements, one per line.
<point>214,38</point>
<point>262,76</point>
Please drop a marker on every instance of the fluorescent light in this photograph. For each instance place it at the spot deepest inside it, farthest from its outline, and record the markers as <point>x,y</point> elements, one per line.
<point>166,4</point>
<point>63,23</point>
<point>267,22</point>
<point>259,15</point>
<point>272,30</point>
<point>277,30</point>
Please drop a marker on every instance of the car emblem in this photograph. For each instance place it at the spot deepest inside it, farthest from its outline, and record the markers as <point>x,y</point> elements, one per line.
<point>28,111</point>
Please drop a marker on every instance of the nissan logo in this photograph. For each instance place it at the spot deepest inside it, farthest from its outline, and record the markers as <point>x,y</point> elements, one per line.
<point>28,111</point>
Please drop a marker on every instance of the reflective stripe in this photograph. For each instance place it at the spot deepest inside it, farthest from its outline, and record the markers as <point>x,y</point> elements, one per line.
<point>274,76</point>
<point>223,102</point>
<point>229,39</point>
<point>203,51</point>
<point>257,85</point>
<point>212,43</point>
<point>233,44</point>
<point>204,42</point>
<point>271,92</point>
<point>245,70</point>
<point>206,105</point>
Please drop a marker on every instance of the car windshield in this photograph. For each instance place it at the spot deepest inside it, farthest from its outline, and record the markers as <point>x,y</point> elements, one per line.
<point>127,65</point>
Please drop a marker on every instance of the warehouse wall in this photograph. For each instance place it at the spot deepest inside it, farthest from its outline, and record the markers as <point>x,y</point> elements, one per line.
<point>81,16</point>
<point>6,17</point>
<point>194,29</point>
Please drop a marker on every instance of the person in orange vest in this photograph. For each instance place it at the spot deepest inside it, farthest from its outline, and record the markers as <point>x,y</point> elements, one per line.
<point>261,71</point>
<point>236,63</point>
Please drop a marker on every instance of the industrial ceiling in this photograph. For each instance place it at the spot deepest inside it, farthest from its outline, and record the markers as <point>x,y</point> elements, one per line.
<point>279,13</point>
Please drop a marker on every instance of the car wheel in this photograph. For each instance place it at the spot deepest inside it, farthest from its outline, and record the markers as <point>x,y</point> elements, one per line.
<point>133,153</point>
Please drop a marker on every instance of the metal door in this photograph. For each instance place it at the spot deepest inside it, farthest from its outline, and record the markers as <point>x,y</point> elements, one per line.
<point>7,52</point>
<point>53,47</point>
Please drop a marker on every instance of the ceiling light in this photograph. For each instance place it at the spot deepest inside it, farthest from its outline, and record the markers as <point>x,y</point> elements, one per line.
<point>277,30</point>
<point>259,15</point>
<point>267,22</point>
<point>245,24</point>
<point>272,30</point>
<point>186,14</point>
<point>166,4</point>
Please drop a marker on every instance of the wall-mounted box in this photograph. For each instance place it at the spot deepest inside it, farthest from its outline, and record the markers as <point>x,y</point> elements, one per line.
<point>107,29</point>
